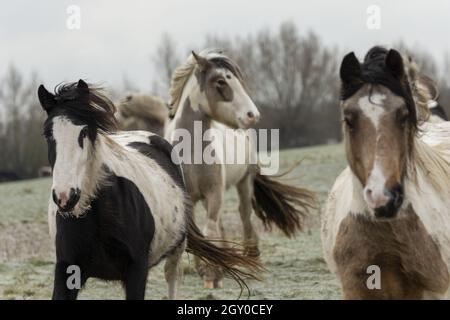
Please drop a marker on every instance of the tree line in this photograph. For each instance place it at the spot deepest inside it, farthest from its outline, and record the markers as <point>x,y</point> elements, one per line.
<point>292,77</point>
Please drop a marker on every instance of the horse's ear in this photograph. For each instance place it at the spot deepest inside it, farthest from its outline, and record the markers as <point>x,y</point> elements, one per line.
<point>83,90</point>
<point>47,99</point>
<point>394,63</point>
<point>82,85</point>
<point>203,63</point>
<point>350,71</point>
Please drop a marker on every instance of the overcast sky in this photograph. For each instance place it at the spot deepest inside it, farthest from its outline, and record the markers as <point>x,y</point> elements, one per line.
<point>118,39</point>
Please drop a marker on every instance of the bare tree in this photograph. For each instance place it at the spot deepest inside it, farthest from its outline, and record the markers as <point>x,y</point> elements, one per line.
<point>291,76</point>
<point>165,60</point>
<point>23,148</point>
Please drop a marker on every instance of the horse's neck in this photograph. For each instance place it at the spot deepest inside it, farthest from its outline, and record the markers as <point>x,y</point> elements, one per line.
<point>190,107</point>
<point>102,151</point>
<point>426,189</point>
<point>189,114</point>
<point>426,184</point>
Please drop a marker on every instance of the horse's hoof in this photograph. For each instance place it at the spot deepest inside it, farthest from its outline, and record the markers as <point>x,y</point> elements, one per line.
<point>218,284</point>
<point>208,284</point>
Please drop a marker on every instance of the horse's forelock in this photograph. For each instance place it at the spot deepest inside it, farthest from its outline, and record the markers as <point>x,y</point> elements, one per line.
<point>91,106</point>
<point>374,71</point>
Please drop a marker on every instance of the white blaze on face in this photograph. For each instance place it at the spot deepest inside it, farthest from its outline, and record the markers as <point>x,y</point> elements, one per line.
<point>71,159</point>
<point>245,110</point>
<point>375,187</point>
<point>372,107</point>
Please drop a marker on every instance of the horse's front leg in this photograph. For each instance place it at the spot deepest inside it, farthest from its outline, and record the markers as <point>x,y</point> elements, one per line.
<point>213,277</point>
<point>136,280</point>
<point>245,192</point>
<point>65,288</point>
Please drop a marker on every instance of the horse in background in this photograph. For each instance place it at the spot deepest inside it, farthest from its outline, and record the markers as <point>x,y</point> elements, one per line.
<point>426,93</point>
<point>390,208</point>
<point>118,204</point>
<point>142,112</point>
<point>45,171</point>
<point>209,88</point>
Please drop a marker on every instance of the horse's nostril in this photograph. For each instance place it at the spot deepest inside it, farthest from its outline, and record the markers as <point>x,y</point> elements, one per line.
<point>368,193</point>
<point>398,196</point>
<point>251,115</point>
<point>73,198</point>
<point>392,206</point>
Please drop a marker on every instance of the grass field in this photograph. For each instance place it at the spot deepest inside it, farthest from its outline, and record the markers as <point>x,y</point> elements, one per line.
<point>296,269</point>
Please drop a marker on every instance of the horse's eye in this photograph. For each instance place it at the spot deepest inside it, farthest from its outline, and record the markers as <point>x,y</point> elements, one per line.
<point>350,121</point>
<point>402,116</point>
<point>83,132</point>
<point>48,135</point>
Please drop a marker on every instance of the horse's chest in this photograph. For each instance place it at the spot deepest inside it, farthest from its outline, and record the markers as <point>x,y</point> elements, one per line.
<point>94,247</point>
<point>116,231</point>
<point>109,260</point>
<point>203,178</point>
<point>408,259</point>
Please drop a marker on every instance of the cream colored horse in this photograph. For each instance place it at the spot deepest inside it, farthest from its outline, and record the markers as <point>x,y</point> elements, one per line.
<point>142,112</point>
<point>209,95</point>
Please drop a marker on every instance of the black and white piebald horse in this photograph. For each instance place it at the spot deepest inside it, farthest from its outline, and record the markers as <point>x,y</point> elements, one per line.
<point>118,204</point>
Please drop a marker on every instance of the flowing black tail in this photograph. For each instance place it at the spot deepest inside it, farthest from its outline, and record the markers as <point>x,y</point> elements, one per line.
<point>284,205</point>
<point>230,259</point>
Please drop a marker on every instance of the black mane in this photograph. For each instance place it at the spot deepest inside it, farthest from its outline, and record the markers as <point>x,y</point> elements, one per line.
<point>88,105</point>
<point>375,71</point>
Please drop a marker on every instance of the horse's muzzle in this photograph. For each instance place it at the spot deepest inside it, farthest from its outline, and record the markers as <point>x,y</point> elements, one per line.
<point>391,208</point>
<point>66,202</point>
